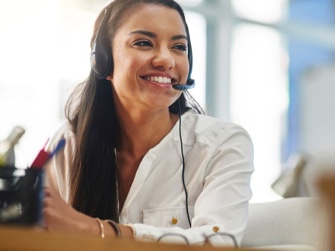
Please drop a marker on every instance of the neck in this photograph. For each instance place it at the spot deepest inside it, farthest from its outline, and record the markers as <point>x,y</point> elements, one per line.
<point>142,131</point>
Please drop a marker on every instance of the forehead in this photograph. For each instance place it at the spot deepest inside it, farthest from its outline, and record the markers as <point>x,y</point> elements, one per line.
<point>153,17</point>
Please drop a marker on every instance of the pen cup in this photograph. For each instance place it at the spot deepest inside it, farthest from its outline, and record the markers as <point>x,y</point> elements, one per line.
<point>21,195</point>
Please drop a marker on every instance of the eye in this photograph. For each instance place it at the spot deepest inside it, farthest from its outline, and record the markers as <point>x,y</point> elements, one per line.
<point>180,47</point>
<point>143,43</point>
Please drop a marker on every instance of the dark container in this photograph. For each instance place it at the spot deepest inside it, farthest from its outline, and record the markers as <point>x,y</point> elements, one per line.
<point>21,195</point>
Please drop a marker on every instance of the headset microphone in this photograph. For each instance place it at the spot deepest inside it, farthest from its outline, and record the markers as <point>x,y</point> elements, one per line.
<point>180,87</point>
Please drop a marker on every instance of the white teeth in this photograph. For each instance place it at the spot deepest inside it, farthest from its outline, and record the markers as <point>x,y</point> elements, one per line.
<point>161,80</point>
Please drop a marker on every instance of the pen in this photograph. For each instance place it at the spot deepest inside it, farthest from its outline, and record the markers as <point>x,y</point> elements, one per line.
<point>58,147</point>
<point>43,156</point>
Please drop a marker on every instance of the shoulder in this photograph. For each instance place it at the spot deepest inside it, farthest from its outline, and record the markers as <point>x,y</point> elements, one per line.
<point>63,132</point>
<point>206,129</point>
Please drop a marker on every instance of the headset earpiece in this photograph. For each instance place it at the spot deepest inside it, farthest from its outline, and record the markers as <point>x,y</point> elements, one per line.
<point>101,57</point>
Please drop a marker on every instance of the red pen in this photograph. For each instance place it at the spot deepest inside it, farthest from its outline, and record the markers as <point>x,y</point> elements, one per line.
<point>41,157</point>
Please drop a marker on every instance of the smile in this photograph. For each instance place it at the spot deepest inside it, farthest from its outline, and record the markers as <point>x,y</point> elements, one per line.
<point>159,79</point>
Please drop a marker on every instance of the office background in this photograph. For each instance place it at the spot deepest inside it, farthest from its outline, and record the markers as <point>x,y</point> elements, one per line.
<point>268,65</point>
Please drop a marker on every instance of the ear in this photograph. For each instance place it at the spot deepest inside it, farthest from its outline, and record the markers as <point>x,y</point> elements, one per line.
<point>109,78</point>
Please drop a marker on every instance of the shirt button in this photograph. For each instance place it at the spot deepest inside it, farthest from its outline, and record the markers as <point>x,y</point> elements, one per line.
<point>216,229</point>
<point>174,221</point>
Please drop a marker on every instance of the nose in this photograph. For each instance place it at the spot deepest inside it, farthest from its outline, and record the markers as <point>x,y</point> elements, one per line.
<point>163,59</point>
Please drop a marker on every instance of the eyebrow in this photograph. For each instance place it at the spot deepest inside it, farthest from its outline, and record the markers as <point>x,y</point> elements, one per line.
<point>153,35</point>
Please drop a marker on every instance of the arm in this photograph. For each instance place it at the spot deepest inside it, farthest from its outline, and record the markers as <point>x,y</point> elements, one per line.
<point>58,214</point>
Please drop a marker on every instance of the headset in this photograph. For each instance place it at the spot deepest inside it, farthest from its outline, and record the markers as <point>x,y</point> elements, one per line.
<point>102,65</point>
<point>102,57</point>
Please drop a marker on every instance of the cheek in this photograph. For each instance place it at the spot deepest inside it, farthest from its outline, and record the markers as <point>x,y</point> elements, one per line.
<point>125,75</point>
<point>126,63</point>
<point>122,64</point>
<point>126,71</point>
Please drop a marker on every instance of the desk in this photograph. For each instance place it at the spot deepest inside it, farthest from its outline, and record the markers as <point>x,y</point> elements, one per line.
<point>19,239</point>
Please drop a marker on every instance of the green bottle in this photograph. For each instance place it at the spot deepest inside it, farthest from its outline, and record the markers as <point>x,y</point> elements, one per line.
<point>7,154</point>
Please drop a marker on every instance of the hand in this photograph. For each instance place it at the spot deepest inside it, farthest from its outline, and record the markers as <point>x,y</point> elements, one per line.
<point>58,216</point>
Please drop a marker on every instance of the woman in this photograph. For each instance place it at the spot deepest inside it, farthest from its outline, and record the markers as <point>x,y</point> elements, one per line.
<point>139,153</point>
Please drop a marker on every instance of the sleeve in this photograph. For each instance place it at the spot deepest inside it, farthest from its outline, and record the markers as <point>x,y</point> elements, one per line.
<point>221,209</point>
<point>56,170</point>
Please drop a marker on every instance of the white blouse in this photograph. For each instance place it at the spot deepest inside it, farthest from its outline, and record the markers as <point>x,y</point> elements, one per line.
<point>218,167</point>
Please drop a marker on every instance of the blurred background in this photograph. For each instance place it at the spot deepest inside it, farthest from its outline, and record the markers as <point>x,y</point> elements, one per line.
<point>268,65</point>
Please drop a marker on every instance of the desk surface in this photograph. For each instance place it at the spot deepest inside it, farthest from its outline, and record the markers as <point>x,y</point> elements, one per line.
<point>27,239</point>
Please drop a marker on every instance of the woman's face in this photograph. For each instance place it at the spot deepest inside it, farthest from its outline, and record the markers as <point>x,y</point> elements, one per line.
<point>149,54</point>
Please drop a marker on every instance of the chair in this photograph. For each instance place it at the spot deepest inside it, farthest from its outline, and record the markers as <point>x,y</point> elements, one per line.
<point>297,223</point>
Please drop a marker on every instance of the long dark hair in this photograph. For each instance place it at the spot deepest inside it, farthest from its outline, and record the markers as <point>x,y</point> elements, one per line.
<point>91,112</point>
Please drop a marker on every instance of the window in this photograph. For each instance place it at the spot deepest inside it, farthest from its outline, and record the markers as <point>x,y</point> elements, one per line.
<point>259,99</point>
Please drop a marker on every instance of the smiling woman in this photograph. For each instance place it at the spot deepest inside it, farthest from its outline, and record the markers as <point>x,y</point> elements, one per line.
<point>141,159</point>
